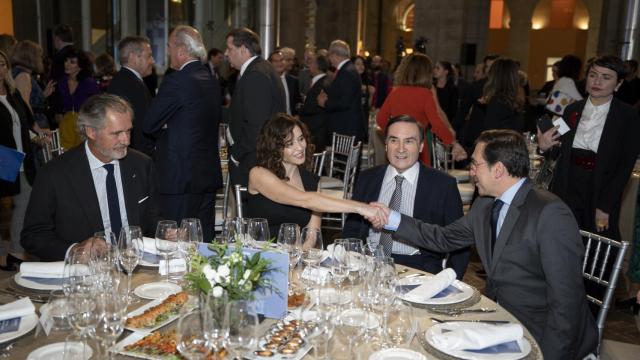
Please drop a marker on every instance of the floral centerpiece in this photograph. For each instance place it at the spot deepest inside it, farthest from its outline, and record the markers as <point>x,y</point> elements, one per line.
<point>233,273</point>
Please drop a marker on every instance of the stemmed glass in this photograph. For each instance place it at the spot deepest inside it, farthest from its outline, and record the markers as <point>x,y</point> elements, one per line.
<point>112,309</point>
<point>104,260</point>
<point>355,253</point>
<point>352,324</point>
<point>192,334</point>
<point>289,242</point>
<point>258,230</point>
<point>130,248</point>
<point>189,238</point>
<point>235,229</point>
<point>311,245</point>
<point>319,328</point>
<point>339,263</point>
<point>166,241</point>
<point>243,323</point>
<point>400,325</point>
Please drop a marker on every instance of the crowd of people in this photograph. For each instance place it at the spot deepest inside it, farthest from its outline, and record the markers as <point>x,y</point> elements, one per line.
<point>135,154</point>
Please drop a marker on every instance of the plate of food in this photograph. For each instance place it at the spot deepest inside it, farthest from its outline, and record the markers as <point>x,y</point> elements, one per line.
<point>154,346</point>
<point>158,313</point>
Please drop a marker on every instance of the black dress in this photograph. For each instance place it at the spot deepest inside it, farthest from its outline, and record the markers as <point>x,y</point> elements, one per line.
<point>448,99</point>
<point>258,206</point>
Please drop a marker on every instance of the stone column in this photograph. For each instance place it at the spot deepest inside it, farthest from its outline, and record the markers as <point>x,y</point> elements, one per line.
<point>520,30</point>
<point>593,34</point>
<point>267,26</point>
<point>85,8</point>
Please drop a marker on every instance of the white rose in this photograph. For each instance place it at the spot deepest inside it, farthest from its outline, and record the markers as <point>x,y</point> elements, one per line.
<point>217,291</point>
<point>247,273</point>
<point>224,271</point>
<point>210,274</point>
<point>241,282</point>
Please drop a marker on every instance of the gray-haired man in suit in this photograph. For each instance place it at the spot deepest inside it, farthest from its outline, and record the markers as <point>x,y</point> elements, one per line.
<point>529,242</point>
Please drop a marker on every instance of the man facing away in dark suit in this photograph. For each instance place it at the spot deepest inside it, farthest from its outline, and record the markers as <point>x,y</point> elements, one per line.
<point>343,99</point>
<point>63,43</point>
<point>424,193</point>
<point>102,185</point>
<point>215,57</point>
<point>311,113</point>
<point>289,83</point>
<point>529,242</point>
<point>136,62</point>
<point>186,111</point>
<point>258,94</point>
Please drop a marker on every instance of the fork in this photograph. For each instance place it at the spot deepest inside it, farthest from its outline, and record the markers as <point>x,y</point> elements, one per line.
<point>5,351</point>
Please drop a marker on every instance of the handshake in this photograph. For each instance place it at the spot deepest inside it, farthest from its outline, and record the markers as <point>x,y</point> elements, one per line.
<point>376,213</point>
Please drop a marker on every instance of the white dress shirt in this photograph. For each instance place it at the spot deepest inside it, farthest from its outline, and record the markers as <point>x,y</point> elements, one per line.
<point>245,65</point>
<point>187,63</point>
<point>283,78</point>
<point>137,74</point>
<point>409,186</point>
<point>591,125</point>
<point>341,64</point>
<point>99,174</point>
<point>507,199</point>
<point>316,78</point>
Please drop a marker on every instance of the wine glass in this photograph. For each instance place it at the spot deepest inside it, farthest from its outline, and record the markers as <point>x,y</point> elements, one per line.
<point>355,252</point>
<point>289,242</point>
<point>311,245</point>
<point>235,230</point>
<point>258,230</point>
<point>112,309</point>
<point>129,253</point>
<point>339,262</point>
<point>78,272</point>
<point>193,341</point>
<point>319,327</point>
<point>400,325</point>
<point>189,239</point>
<point>242,319</point>
<point>166,241</point>
<point>104,260</point>
<point>352,324</point>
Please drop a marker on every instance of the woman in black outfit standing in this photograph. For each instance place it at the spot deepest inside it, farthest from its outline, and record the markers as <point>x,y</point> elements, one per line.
<point>447,90</point>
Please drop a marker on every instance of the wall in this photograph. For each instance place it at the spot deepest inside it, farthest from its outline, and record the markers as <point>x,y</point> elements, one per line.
<point>553,43</point>
<point>497,42</point>
<point>6,21</point>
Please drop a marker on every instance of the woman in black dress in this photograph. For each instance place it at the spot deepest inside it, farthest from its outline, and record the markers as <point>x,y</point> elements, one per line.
<point>447,90</point>
<point>281,189</point>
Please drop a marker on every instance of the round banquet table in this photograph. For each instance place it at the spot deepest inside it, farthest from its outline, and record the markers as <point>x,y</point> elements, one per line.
<point>36,338</point>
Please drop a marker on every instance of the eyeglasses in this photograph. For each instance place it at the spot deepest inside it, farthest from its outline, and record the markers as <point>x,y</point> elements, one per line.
<point>474,164</point>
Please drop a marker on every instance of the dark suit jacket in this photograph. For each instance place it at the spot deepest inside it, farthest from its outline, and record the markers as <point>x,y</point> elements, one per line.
<point>535,271</point>
<point>437,202</point>
<point>471,94</point>
<point>257,96</point>
<point>187,157</point>
<point>617,153</point>
<point>64,209</point>
<point>294,93</point>
<point>344,105</point>
<point>221,80</point>
<point>57,63</point>
<point>314,116</point>
<point>127,85</point>
<point>6,139</point>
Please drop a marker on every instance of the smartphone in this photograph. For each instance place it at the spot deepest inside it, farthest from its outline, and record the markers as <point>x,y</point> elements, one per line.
<point>545,123</point>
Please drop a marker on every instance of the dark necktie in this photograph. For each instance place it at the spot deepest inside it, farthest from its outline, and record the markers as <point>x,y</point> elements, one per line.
<point>495,214</point>
<point>112,200</point>
<point>394,204</point>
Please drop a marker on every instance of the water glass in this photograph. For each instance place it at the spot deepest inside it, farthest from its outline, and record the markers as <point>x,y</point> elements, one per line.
<point>400,325</point>
<point>357,261</point>
<point>167,241</point>
<point>193,341</point>
<point>258,230</point>
<point>243,324</point>
<point>112,309</point>
<point>311,245</point>
<point>234,230</point>
<point>58,311</point>
<point>76,348</point>
<point>190,235</point>
<point>339,262</point>
<point>319,327</point>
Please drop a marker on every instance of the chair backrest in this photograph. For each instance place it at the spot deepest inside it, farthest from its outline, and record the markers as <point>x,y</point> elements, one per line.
<point>440,155</point>
<point>52,146</point>
<point>596,268</point>
<point>238,189</point>
<point>318,162</point>
<point>340,149</point>
<point>351,170</point>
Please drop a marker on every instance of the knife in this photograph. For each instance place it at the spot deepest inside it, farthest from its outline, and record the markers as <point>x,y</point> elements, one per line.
<point>494,322</point>
<point>34,298</point>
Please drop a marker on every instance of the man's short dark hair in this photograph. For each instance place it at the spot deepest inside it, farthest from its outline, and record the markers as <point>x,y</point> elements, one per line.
<point>405,119</point>
<point>610,62</point>
<point>323,63</point>
<point>633,65</point>
<point>274,53</point>
<point>507,147</point>
<point>63,32</point>
<point>213,52</point>
<point>490,57</point>
<point>246,37</point>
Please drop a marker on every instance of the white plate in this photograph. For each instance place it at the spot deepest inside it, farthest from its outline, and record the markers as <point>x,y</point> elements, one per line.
<point>34,285</point>
<point>373,321</point>
<point>119,347</point>
<point>190,304</point>
<point>156,290</point>
<point>26,324</point>
<point>330,295</point>
<point>55,352</point>
<point>397,354</point>
<point>466,291</point>
<point>525,346</point>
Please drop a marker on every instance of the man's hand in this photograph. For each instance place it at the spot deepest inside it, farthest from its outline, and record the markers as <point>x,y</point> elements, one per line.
<point>91,245</point>
<point>376,216</point>
<point>383,212</point>
<point>549,138</point>
<point>322,98</point>
<point>602,220</point>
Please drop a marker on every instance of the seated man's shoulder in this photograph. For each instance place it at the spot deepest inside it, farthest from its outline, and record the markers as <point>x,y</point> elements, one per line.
<point>436,175</point>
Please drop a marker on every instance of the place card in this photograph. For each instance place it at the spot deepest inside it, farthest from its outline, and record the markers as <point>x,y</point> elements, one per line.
<point>10,325</point>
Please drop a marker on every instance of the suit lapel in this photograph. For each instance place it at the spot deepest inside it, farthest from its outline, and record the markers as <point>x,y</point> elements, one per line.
<point>509,223</point>
<point>82,185</point>
<point>129,179</point>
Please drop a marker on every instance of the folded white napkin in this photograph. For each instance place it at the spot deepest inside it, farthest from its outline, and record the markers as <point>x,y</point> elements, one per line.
<point>431,286</point>
<point>44,270</point>
<point>315,274</point>
<point>149,245</point>
<point>358,260</point>
<point>476,336</point>
<point>176,265</point>
<point>18,308</point>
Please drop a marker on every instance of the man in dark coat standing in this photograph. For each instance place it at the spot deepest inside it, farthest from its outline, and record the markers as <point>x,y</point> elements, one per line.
<point>188,108</point>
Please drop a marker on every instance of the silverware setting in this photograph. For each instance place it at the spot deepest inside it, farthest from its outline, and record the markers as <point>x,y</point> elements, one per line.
<point>411,276</point>
<point>34,297</point>
<point>493,322</point>
<point>5,350</point>
<point>458,312</point>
